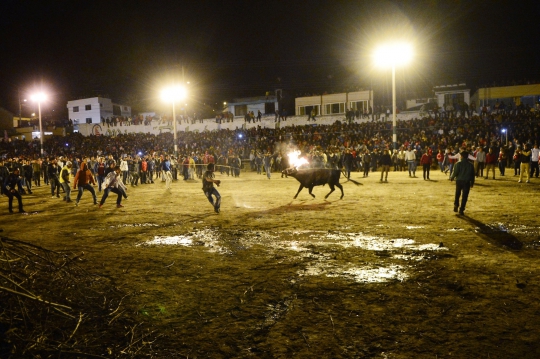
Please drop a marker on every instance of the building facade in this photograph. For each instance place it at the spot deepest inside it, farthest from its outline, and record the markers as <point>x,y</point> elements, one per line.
<point>241,106</point>
<point>334,104</point>
<point>511,96</point>
<point>94,109</point>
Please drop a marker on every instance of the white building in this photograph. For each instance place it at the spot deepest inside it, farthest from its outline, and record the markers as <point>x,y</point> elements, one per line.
<point>333,104</point>
<point>241,106</point>
<point>452,94</point>
<point>92,110</point>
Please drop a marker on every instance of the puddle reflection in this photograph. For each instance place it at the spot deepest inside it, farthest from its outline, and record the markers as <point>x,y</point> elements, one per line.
<point>317,248</point>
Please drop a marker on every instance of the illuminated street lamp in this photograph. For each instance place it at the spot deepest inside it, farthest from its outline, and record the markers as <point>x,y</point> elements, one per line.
<point>174,94</point>
<point>506,133</point>
<point>392,55</point>
<point>39,98</point>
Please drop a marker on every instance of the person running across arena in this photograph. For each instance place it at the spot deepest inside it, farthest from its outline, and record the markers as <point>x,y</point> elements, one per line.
<point>209,189</point>
<point>113,183</point>
<point>84,179</point>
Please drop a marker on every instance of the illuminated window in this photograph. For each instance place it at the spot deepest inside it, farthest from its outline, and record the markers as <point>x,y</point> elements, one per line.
<point>335,108</point>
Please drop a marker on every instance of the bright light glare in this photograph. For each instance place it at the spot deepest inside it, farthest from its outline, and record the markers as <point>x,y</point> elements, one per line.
<point>393,54</point>
<point>294,161</point>
<point>38,97</point>
<point>173,94</point>
<point>503,130</point>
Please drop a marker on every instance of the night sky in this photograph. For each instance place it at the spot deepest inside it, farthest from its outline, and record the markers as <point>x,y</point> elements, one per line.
<point>129,50</point>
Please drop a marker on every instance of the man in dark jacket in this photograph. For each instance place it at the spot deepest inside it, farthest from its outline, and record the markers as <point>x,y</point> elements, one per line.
<point>10,186</point>
<point>464,174</point>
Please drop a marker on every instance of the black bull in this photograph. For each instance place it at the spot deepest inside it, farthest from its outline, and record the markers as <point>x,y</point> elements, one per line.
<point>312,177</point>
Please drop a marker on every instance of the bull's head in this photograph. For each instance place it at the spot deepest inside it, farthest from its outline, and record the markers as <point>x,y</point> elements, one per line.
<point>291,171</point>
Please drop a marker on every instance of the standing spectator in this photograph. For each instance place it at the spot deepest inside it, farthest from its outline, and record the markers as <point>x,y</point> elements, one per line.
<point>481,161</point>
<point>53,174</point>
<point>45,170</point>
<point>535,152</point>
<point>134,170</point>
<point>36,172</point>
<point>366,161</point>
<point>525,156</point>
<point>259,115</point>
<point>347,162</point>
<point>28,173</point>
<point>385,161</point>
<point>100,171</point>
<point>124,169</point>
<point>517,161</point>
<point>151,168</point>
<point>144,170</point>
<point>4,174</point>
<point>491,161</point>
<point>395,160</point>
<point>10,187</point>
<point>425,160</point>
<point>185,168</point>
<point>502,160</point>
<point>64,180</point>
<point>410,157</point>
<point>464,175</point>
<point>166,170</point>
<point>267,160</point>
<point>401,159</point>
<point>440,160</point>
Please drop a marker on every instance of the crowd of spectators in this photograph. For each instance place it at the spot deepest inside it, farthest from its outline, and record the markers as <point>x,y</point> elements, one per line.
<point>440,133</point>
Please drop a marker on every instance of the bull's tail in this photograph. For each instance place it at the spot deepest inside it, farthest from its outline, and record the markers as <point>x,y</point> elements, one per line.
<point>348,179</point>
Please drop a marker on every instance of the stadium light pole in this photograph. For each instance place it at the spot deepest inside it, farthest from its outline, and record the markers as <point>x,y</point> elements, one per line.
<point>172,95</point>
<point>392,55</point>
<point>506,133</point>
<point>39,98</point>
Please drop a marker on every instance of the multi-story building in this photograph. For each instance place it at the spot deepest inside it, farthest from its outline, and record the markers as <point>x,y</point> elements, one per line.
<point>94,109</point>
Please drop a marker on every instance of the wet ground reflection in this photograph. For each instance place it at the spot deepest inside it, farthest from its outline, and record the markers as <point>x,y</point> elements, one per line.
<point>332,254</point>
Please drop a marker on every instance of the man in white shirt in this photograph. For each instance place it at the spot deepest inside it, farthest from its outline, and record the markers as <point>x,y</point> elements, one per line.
<point>535,152</point>
<point>410,158</point>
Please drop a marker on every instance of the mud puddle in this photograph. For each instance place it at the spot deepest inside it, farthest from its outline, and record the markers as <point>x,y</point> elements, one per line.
<point>323,253</point>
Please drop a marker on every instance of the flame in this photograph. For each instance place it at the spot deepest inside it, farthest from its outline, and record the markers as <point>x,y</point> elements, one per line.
<point>294,161</point>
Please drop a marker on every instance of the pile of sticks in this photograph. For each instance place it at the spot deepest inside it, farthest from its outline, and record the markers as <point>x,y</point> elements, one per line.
<point>50,306</point>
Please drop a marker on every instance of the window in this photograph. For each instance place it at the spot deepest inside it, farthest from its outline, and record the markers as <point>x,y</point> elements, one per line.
<point>359,105</point>
<point>125,108</point>
<point>88,107</point>
<point>306,110</point>
<point>75,108</point>
<point>240,110</point>
<point>335,108</point>
<point>89,120</point>
<point>269,108</point>
<point>454,98</point>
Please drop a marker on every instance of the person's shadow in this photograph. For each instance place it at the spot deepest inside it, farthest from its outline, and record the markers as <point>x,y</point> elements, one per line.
<point>499,236</point>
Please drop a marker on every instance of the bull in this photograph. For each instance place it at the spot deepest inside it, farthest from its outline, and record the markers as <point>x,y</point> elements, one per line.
<point>312,177</point>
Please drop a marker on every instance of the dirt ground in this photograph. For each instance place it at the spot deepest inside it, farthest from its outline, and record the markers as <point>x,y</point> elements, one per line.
<point>389,271</point>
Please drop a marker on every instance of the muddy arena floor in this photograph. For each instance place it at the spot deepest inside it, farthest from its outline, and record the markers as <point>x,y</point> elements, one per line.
<point>389,271</point>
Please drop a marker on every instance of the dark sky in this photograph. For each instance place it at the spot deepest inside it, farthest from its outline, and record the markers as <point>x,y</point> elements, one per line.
<point>128,50</point>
